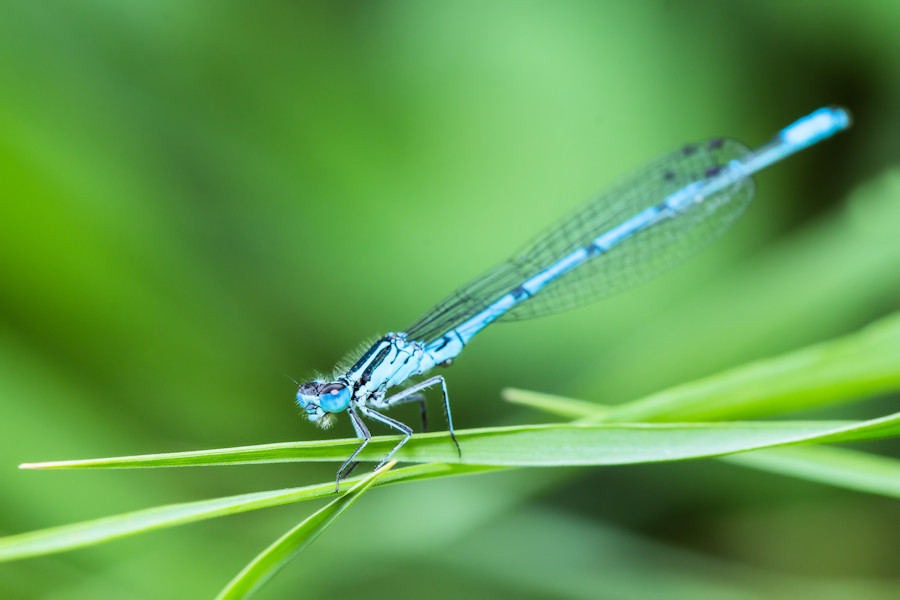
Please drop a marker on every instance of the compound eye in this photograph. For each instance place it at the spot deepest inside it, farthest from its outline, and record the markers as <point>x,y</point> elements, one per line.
<point>332,388</point>
<point>334,397</point>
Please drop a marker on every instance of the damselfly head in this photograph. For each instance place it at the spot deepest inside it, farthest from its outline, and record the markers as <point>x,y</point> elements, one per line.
<point>321,399</point>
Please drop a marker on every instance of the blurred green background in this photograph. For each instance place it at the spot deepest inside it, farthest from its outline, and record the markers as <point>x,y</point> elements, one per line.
<point>198,199</point>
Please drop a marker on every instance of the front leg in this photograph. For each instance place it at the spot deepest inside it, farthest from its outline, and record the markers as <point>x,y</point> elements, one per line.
<point>403,396</point>
<point>361,431</point>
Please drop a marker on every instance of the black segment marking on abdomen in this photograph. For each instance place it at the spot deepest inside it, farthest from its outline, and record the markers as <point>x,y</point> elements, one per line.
<point>594,250</point>
<point>520,292</point>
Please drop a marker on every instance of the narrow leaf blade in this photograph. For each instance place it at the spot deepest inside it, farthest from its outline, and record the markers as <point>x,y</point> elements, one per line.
<point>853,367</point>
<point>275,557</point>
<point>556,405</point>
<point>566,444</point>
<point>839,467</point>
<point>89,533</point>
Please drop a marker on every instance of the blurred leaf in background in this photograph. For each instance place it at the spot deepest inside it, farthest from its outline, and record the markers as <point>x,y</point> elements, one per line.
<point>197,199</point>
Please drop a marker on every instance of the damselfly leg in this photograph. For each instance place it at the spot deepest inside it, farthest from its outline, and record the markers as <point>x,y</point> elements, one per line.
<point>401,397</point>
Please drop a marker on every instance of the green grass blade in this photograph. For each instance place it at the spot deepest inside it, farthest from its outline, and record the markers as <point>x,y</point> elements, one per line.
<point>840,467</point>
<point>852,367</point>
<point>275,557</point>
<point>557,405</point>
<point>536,445</point>
<point>855,366</point>
<point>88,533</point>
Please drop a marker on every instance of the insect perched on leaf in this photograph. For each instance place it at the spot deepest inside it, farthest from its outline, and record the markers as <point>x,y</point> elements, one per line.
<point>647,223</point>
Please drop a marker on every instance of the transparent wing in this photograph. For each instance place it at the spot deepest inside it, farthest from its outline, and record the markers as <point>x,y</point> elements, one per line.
<point>636,259</point>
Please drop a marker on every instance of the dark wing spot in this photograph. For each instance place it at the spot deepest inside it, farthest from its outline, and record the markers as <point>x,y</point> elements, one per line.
<point>713,171</point>
<point>668,175</point>
<point>716,143</point>
<point>688,150</point>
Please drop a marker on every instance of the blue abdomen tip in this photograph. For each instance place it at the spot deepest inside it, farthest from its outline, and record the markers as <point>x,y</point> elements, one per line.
<point>816,126</point>
<point>842,117</point>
